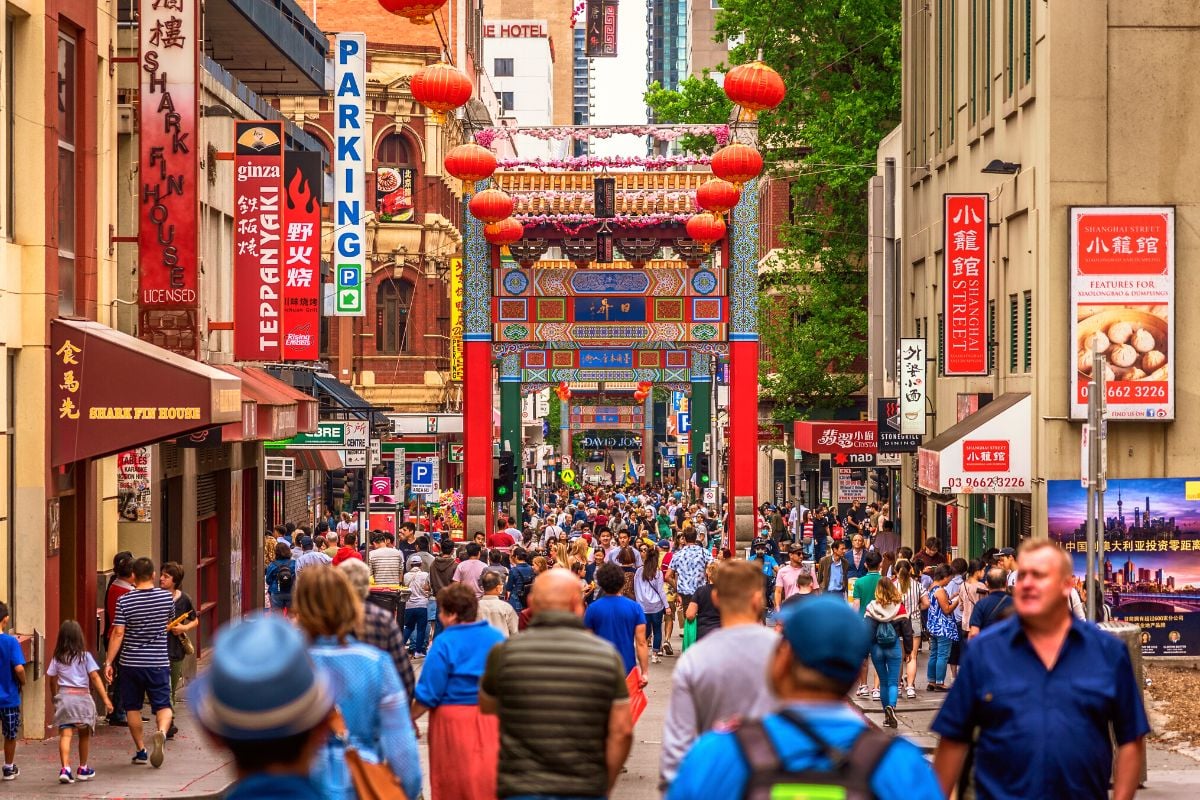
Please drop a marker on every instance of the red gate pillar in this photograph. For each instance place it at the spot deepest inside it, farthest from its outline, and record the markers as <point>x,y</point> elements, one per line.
<point>477,374</point>
<point>741,254</point>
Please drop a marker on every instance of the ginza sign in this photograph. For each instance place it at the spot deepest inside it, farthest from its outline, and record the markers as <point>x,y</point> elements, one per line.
<point>965,286</point>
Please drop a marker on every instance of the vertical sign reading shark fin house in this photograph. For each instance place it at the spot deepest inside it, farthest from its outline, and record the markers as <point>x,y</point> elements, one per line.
<point>257,239</point>
<point>168,167</point>
<point>301,271</point>
<point>351,141</point>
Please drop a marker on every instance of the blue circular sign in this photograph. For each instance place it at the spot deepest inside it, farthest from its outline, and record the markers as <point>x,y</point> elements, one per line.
<point>515,281</point>
<point>704,281</point>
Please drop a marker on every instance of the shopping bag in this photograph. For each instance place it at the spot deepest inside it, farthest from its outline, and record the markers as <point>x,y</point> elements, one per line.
<point>689,634</point>
<point>637,695</point>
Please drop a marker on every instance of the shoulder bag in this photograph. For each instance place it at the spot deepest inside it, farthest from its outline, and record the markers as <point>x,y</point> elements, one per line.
<point>371,781</point>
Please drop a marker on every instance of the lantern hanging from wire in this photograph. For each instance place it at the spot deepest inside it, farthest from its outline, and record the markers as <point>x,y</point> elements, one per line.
<point>440,87</point>
<point>470,163</point>
<point>418,12</point>
<point>755,87</point>
<point>717,195</point>
<point>491,205</point>
<point>706,228</point>
<point>505,232</point>
<point>737,163</point>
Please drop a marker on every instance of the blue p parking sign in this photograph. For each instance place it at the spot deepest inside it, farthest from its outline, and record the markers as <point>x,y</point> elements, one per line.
<point>422,478</point>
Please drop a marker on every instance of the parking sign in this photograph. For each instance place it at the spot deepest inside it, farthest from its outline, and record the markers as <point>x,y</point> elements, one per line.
<point>685,422</point>
<point>422,477</point>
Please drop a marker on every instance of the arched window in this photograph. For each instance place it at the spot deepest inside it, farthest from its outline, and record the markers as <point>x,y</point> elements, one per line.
<point>395,180</point>
<point>392,305</point>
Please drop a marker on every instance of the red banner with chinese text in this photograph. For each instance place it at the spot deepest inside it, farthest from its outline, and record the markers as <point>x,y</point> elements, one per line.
<point>257,244</point>
<point>965,285</point>
<point>167,200</point>
<point>301,295</point>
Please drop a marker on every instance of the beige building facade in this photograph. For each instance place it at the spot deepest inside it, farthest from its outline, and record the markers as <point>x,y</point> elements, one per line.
<point>1086,103</point>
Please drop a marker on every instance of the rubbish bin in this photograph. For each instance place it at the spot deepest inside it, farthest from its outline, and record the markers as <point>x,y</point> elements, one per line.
<point>1131,635</point>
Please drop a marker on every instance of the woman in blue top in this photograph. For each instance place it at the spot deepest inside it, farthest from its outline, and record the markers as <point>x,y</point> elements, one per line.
<point>366,688</point>
<point>281,577</point>
<point>464,745</point>
<point>943,630</point>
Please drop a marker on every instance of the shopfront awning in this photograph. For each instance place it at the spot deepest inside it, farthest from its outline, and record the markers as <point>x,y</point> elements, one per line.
<point>275,411</point>
<point>338,396</point>
<point>319,460</point>
<point>987,453</point>
<point>308,409</point>
<point>111,392</point>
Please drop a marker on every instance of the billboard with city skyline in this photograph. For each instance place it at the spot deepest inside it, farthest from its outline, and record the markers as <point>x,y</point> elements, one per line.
<point>1152,554</point>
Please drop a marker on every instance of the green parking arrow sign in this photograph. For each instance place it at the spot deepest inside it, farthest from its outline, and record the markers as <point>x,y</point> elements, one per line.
<point>349,294</point>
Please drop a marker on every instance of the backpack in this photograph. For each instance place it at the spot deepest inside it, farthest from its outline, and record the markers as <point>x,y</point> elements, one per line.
<point>849,777</point>
<point>285,576</point>
<point>885,634</point>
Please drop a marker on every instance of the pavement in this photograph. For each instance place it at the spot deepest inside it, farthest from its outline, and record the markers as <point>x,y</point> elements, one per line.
<point>194,767</point>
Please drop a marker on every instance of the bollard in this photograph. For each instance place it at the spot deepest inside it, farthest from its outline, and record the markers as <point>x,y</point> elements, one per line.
<point>1131,635</point>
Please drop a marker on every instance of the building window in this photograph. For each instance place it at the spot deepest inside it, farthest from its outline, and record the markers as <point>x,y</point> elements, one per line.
<point>1014,333</point>
<point>503,67</point>
<point>714,4</point>
<point>946,56</point>
<point>10,119</point>
<point>980,66</point>
<point>391,316</point>
<point>941,344</point>
<point>395,180</point>
<point>1010,45</point>
<point>1027,324</point>
<point>1026,41</point>
<point>992,344</point>
<point>505,99</point>
<point>67,84</point>
<point>919,90</point>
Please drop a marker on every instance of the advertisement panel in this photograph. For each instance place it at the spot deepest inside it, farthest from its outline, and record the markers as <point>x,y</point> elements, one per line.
<point>912,387</point>
<point>257,221</point>
<point>601,28</point>
<point>1151,565</point>
<point>851,486</point>
<point>965,286</point>
<point>349,174</point>
<point>301,323</point>
<point>993,457</point>
<point>887,428</point>
<point>133,485</point>
<point>394,194</point>
<point>168,159</point>
<point>1122,302</point>
<point>456,319</point>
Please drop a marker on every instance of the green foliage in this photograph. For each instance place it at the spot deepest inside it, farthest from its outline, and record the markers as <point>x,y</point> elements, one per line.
<point>554,415</point>
<point>699,101</point>
<point>840,60</point>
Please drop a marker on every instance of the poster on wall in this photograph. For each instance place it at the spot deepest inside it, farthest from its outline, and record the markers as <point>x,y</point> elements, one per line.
<point>394,194</point>
<point>1122,303</point>
<point>965,287</point>
<point>1151,551</point>
<point>133,485</point>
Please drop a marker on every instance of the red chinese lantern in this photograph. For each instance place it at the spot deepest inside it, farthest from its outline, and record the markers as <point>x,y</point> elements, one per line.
<point>491,205</point>
<point>440,87</point>
<point>639,396</point>
<point>470,162</point>
<point>737,163</point>
<point>717,195</point>
<point>416,11</point>
<point>706,228</point>
<point>755,87</point>
<point>563,391</point>
<point>504,232</point>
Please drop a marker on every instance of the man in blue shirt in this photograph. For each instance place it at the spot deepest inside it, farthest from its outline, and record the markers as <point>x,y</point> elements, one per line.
<point>619,620</point>
<point>1043,689</point>
<point>824,642</point>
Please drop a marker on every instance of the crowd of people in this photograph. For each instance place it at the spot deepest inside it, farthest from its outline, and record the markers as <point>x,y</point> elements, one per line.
<point>533,642</point>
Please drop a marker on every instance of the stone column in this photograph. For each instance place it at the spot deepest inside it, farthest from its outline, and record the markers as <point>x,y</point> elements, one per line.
<point>742,252</point>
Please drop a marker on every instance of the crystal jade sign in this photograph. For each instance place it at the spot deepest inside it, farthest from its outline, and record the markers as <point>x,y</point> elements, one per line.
<point>1122,305</point>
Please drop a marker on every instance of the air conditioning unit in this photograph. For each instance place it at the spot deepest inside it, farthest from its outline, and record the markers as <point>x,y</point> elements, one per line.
<point>125,119</point>
<point>281,468</point>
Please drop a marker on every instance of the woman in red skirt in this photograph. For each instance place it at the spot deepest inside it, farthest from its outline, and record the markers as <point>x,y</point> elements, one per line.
<point>464,745</point>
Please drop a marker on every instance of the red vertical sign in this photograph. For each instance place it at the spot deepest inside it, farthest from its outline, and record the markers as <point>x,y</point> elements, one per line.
<point>301,292</point>
<point>965,285</point>
<point>257,239</point>
<point>168,142</point>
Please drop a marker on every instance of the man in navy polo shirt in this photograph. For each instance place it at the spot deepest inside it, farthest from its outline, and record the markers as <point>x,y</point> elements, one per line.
<point>1043,689</point>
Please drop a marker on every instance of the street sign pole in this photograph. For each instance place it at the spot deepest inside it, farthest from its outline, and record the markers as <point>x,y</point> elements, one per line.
<point>1096,432</point>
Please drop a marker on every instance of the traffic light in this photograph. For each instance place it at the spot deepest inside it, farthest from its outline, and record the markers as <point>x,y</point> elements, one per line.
<point>502,486</point>
<point>337,484</point>
<point>351,480</point>
<point>881,483</point>
<point>703,478</point>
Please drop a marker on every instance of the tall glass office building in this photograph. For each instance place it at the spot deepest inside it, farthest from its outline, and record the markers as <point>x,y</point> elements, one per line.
<point>666,42</point>
<point>581,88</point>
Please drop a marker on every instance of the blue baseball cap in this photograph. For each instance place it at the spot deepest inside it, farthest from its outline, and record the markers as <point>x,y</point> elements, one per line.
<point>827,636</point>
<point>261,684</point>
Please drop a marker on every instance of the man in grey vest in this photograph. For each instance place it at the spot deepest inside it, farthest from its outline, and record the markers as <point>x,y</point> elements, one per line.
<point>557,683</point>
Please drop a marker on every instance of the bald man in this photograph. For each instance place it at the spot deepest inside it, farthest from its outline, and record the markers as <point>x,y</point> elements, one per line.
<point>557,657</point>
